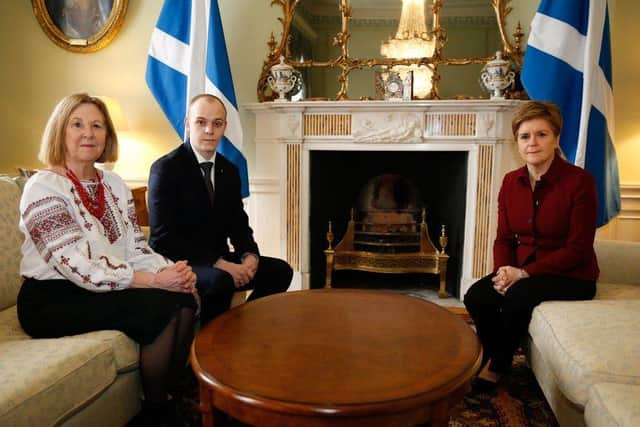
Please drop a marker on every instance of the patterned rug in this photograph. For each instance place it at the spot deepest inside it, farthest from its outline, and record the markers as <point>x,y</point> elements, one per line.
<point>517,402</point>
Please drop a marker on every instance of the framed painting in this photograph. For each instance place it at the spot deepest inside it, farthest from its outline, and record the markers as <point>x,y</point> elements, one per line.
<point>80,25</point>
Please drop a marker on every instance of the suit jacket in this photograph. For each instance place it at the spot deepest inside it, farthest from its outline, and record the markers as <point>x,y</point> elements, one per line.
<point>184,223</point>
<point>554,225</point>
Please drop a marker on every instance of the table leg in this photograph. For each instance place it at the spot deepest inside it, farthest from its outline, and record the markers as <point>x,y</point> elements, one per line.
<point>205,406</point>
<point>440,414</point>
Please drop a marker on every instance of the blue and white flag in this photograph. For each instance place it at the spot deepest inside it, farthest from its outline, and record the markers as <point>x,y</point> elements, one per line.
<point>568,61</point>
<point>187,57</point>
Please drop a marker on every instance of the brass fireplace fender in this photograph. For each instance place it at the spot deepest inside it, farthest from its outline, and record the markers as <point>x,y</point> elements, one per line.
<point>428,260</point>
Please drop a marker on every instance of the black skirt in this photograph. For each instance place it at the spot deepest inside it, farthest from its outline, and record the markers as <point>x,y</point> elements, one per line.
<point>55,308</point>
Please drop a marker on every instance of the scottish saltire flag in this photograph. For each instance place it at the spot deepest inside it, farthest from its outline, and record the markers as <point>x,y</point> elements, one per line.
<point>568,61</point>
<point>187,57</point>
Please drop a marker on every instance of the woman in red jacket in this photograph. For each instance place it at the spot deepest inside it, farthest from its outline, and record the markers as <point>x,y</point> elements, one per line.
<point>544,243</point>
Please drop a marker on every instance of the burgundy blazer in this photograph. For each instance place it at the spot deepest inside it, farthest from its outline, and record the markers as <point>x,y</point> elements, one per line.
<point>549,230</point>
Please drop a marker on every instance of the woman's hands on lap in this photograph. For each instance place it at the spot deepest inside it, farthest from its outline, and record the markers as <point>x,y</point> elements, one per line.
<point>506,276</point>
<point>175,278</point>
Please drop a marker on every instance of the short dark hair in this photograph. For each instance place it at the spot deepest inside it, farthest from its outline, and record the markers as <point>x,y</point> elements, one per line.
<point>52,145</point>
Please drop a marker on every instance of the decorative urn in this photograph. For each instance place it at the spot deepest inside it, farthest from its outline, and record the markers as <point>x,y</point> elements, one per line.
<point>282,79</point>
<point>497,76</point>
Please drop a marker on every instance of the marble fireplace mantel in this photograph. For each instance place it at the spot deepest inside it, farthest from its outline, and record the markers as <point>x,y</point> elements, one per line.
<point>286,134</point>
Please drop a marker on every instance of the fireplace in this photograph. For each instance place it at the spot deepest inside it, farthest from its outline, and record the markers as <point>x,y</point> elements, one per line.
<point>337,179</point>
<point>318,155</point>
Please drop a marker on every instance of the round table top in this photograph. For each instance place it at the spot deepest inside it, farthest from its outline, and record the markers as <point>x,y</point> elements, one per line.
<point>336,351</point>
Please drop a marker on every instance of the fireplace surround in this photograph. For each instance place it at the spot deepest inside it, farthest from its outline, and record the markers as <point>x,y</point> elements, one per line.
<point>288,135</point>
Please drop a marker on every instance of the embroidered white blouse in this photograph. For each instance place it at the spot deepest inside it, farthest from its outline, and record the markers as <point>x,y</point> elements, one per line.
<point>64,241</point>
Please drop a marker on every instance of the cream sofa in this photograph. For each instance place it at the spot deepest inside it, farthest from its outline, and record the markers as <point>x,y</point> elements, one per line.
<point>84,380</point>
<point>586,354</point>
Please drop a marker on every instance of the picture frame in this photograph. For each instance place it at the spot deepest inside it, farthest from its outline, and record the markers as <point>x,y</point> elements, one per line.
<point>82,26</point>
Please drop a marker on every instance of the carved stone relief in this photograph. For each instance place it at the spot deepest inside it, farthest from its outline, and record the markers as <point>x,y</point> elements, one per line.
<point>387,127</point>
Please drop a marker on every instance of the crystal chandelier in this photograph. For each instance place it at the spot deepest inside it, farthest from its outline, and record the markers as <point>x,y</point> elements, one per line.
<point>412,41</point>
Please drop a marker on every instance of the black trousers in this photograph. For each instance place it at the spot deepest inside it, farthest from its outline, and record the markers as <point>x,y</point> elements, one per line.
<point>502,321</point>
<point>216,287</point>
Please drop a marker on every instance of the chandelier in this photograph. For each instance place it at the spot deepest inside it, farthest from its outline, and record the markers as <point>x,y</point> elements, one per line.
<point>412,41</point>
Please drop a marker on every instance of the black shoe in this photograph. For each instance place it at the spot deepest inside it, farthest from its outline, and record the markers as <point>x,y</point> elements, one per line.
<point>159,414</point>
<point>480,385</point>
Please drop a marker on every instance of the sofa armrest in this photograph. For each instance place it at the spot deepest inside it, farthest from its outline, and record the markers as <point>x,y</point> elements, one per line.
<point>619,261</point>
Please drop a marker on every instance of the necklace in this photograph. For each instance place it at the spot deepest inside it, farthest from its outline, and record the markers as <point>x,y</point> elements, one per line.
<point>96,205</point>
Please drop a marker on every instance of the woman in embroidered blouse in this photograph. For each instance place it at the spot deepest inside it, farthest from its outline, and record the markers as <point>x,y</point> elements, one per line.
<point>544,243</point>
<point>85,261</point>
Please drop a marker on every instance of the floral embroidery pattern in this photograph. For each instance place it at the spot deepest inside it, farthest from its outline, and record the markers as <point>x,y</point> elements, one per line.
<point>139,239</point>
<point>51,226</point>
<point>85,277</point>
<point>65,241</point>
<point>110,224</point>
<point>41,202</point>
<point>133,218</point>
<point>112,230</point>
<point>112,266</point>
<point>83,214</point>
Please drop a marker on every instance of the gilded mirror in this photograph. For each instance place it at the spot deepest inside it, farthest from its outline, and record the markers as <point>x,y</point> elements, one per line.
<point>80,25</point>
<point>341,48</point>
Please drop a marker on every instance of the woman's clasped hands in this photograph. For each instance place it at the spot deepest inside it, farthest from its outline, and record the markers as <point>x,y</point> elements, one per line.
<point>506,276</point>
<point>177,278</point>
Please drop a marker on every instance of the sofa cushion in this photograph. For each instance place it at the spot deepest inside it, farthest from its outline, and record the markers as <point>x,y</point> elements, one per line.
<point>582,349</point>
<point>612,405</point>
<point>10,328</point>
<point>46,380</point>
<point>10,242</point>
<point>125,350</point>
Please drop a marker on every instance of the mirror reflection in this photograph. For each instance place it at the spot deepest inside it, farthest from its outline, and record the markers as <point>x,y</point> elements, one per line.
<point>313,28</point>
<point>450,33</point>
<point>472,32</point>
<point>401,29</point>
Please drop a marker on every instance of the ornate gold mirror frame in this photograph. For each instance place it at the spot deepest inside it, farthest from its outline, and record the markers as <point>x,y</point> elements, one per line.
<point>512,50</point>
<point>80,26</point>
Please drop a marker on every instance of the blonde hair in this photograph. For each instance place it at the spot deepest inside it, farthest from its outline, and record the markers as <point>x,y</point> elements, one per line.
<point>53,147</point>
<point>547,111</point>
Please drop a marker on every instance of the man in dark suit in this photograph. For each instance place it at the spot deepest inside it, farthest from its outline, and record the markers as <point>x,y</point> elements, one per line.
<point>195,205</point>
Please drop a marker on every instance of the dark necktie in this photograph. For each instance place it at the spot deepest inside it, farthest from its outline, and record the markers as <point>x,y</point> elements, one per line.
<point>206,169</point>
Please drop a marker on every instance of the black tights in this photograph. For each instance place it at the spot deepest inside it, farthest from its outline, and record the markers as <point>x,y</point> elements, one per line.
<point>163,360</point>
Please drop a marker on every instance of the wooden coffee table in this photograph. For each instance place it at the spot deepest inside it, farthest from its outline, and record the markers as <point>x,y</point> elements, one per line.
<point>334,357</point>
